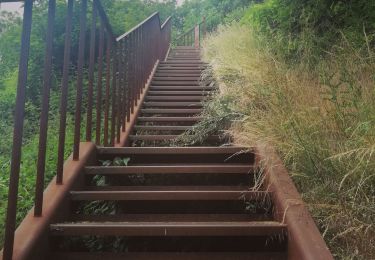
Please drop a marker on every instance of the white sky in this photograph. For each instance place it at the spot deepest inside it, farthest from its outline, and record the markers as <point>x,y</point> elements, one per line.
<point>11,7</point>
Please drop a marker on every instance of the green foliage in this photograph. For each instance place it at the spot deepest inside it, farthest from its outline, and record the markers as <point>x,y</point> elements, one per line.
<point>320,119</point>
<point>304,30</point>
<point>216,12</point>
<point>117,161</point>
<point>124,15</point>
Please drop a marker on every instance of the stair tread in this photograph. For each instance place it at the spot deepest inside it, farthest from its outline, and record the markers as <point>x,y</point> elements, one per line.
<point>164,169</point>
<point>170,195</point>
<point>175,98</point>
<point>163,128</point>
<point>217,228</point>
<point>168,119</point>
<point>171,111</point>
<point>177,93</point>
<point>172,104</point>
<point>175,150</point>
<point>170,255</point>
<point>164,188</point>
<point>170,217</point>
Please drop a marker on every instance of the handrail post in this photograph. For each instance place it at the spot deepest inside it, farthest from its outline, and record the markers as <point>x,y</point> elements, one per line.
<point>90,92</point>
<point>10,225</point>
<point>64,94</point>
<point>196,37</point>
<point>41,162</point>
<point>80,75</point>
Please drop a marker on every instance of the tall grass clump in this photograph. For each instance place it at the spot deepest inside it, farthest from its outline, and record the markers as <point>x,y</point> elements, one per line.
<point>321,120</point>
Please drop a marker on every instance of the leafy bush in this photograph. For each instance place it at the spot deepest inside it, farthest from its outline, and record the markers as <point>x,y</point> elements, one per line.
<point>321,120</point>
<point>304,30</point>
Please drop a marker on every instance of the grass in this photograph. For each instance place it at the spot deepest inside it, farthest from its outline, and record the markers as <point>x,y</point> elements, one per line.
<point>321,120</point>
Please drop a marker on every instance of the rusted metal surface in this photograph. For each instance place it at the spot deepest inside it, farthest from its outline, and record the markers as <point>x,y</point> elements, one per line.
<point>133,54</point>
<point>133,115</point>
<point>31,237</point>
<point>99,98</point>
<point>64,93</point>
<point>171,256</point>
<point>171,228</point>
<point>304,238</point>
<point>10,222</point>
<point>80,75</point>
<point>90,91</point>
<point>39,185</point>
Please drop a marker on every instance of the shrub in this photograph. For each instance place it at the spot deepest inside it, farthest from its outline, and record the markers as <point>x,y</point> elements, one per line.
<point>321,120</point>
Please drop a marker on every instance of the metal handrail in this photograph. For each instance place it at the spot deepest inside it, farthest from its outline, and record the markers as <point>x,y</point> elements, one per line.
<point>190,37</point>
<point>118,68</point>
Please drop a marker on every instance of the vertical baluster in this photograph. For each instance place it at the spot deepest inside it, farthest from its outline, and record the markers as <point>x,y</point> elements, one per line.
<point>132,69</point>
<point>119,92</point>
<point>64,94</point>
<point>107,89</point>
<point>123,89</point>
<point>125,82</point>
<point>18,132</point>
<point>143,66</point>
<point>136,62</point>
<point>81,55</point>
<point>128,75</point>
<point>135,56</point>
<point>90,90</point>
<point>140,81</point>
<point>100,85</point>
<point>41,163</point>
<point>114,93</point>
<point>140,62</point>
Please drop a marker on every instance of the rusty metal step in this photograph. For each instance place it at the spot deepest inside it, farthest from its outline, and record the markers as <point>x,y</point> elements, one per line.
<point>178,74</point>
<point>212,138</point>
<point>185,63</point>
<point>175,83</point>
<point>170,255</point>
<point>152,137</point>
<point>170,195</point>
<point>175,98</point>
<point>183,88</point>
<point>229,150</point>
<point>162,128</point>
<point>171,169</point>
<point>173,78</point>
<point>172,104</point>
<point>180,155</point>
<point>251,228</point>
<point>171,111</point>
<point>177,93</point>
<point>184,58</point>
<point>169,217</point>
<point>178,70</point>
<point>181,66</point>
<point>169,119</point>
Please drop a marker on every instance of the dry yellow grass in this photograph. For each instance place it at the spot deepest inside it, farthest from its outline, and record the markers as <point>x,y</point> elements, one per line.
<point>321,120</point>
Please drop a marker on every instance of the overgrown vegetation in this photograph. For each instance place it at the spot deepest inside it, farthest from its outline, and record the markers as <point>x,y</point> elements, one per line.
<point>320,118</point>
<point>295,74</point>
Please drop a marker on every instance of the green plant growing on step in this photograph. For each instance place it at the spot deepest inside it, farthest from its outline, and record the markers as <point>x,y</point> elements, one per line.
<point>117,161</point>
<point>217,115</point>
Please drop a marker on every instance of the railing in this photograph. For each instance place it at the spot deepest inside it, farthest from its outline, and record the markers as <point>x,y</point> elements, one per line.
<point>118,67</point>
<point>194,36</point>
